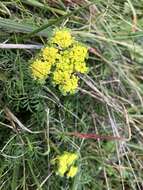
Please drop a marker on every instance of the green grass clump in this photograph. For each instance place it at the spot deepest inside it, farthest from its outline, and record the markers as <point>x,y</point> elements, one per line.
<point>38,123</point>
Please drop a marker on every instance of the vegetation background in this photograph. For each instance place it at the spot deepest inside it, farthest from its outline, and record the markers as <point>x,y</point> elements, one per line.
<point>36,122</point>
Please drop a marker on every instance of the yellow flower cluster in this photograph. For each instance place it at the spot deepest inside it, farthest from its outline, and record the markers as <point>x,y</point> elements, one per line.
<point>62,38</point>
<point>41,67</point>
<point>63,58</point>
<point>50,54</point>
<point>66,164</point>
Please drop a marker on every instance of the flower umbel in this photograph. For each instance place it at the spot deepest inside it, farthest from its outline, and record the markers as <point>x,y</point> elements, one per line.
<point>72,172</point>
<point>69,85</point>
<point>62,38</point>
<point>50,54</point>
<point>40,69</point>
<point>65,164</point>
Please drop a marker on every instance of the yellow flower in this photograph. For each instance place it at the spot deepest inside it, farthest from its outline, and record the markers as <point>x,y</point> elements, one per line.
<point>60,77</point>
<point>64,57</point>
<point>62,38</point>
<point>40,69</point>
<point>64,163</point>
<point>71,157</point>
<point>62,170</point>
<point>78,53</point>
<point>64,62</point>
<point>70,86</point>
<point>72,172</point>
<point>81,67</point>
<point>65,66</point>
<point>50,54</point>
<point>67,158</point>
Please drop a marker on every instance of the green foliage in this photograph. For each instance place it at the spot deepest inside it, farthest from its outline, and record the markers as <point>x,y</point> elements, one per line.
<point>109,102</point>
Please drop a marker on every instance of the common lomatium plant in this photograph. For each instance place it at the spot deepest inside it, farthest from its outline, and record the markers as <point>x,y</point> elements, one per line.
<point>61,60</point>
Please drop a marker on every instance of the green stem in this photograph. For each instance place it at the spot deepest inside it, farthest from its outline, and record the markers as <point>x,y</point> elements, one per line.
<point>54,22</point>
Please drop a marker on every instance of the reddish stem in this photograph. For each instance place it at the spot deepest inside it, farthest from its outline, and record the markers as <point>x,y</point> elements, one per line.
<point>95,136</point>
